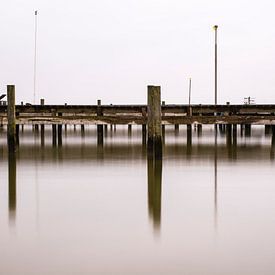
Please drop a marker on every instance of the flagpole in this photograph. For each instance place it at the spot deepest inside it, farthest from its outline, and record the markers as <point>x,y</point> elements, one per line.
<point>35,56</point>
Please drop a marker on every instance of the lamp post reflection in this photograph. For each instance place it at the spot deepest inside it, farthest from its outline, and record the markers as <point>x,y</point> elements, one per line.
<point>215,181</point>
<point>154,170</point>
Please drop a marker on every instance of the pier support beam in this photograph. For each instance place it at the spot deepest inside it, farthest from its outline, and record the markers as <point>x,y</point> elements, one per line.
<point>154,121</point>
<point>11,134</point>
<point>59,132</point>
<point>99,127</point>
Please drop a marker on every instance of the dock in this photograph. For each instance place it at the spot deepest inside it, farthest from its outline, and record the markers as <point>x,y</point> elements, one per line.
<point>152,116</point>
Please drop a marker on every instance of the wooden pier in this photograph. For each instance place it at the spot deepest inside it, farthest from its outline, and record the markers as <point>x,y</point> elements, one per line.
<point>151,116</point>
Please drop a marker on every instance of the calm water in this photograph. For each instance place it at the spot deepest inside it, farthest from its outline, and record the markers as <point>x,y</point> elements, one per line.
<point>206,208</point>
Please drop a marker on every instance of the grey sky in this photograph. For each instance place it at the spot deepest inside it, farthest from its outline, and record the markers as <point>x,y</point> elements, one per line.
<point>113,49</point>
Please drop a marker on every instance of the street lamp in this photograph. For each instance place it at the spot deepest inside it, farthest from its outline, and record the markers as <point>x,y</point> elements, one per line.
<point>216,62</point>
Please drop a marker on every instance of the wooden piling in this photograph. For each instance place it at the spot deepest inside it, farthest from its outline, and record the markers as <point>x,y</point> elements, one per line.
<point>100,126</point>
<point>154,121</point>
<point>59,132</point>
<point>54,135</point>
<point>11,135</point>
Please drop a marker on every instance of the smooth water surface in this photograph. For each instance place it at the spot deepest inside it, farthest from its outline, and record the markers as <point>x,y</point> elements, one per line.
<point>207,208</point>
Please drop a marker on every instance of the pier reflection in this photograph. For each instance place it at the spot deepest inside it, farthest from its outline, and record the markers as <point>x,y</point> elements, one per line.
<point>154,173</point>
<point>12,186</point>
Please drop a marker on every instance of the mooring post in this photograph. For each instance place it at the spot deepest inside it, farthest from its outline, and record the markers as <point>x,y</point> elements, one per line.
<point>154,121</point>
<point>59,132</point>
<point>11,118</point>
<point>163,126</point>
<point>99,126</point>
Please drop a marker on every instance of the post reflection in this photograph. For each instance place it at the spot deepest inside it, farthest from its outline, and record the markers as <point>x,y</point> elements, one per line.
<point>215,179</point>
<point>12,186</point>
<point>154,170</point>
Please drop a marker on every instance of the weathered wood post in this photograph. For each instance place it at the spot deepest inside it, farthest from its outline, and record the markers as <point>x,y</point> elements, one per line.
<point>154,121</point>
<point>272,128</point>
<point>163,126</point>
<point>144,129</point>
<point>11,118</point>
<point>99,126</point>
<point>54,130</point>
<point>42,133</point>
<point>59,132</point>
<point>235,141</point>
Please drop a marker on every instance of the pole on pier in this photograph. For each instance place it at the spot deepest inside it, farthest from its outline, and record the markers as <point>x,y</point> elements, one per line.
<point>11,118</point>
<point>216,63</point>
<point>100,126</point>
<point>154,121</point>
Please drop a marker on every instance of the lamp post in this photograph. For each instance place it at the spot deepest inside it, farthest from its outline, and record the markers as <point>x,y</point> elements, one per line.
<point>216,62</point>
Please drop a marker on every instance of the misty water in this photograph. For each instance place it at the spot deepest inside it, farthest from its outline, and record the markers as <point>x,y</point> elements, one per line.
<point>208,207</point>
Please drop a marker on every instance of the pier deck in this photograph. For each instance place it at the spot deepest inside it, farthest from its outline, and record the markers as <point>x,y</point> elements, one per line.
<point>137,114</point>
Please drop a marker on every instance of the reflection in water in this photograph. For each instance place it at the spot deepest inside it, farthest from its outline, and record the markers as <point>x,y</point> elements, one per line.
<point>12,187</point>
<point>154,170</point>
<point>215,180</point>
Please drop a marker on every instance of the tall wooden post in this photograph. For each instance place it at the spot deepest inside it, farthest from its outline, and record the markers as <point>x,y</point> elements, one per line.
<point>154,121</point>
<point>163,126</point>
<point>11,118</point>
<point>99,127</point>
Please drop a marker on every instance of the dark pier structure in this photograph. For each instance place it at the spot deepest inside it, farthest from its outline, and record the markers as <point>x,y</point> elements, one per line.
<point>151,117</point>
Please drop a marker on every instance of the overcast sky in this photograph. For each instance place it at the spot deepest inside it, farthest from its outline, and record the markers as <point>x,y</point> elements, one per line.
<point>111,50</point>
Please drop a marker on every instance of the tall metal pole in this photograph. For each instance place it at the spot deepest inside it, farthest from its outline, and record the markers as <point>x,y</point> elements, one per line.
<point>216,63</point>
<point>35,55</point>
